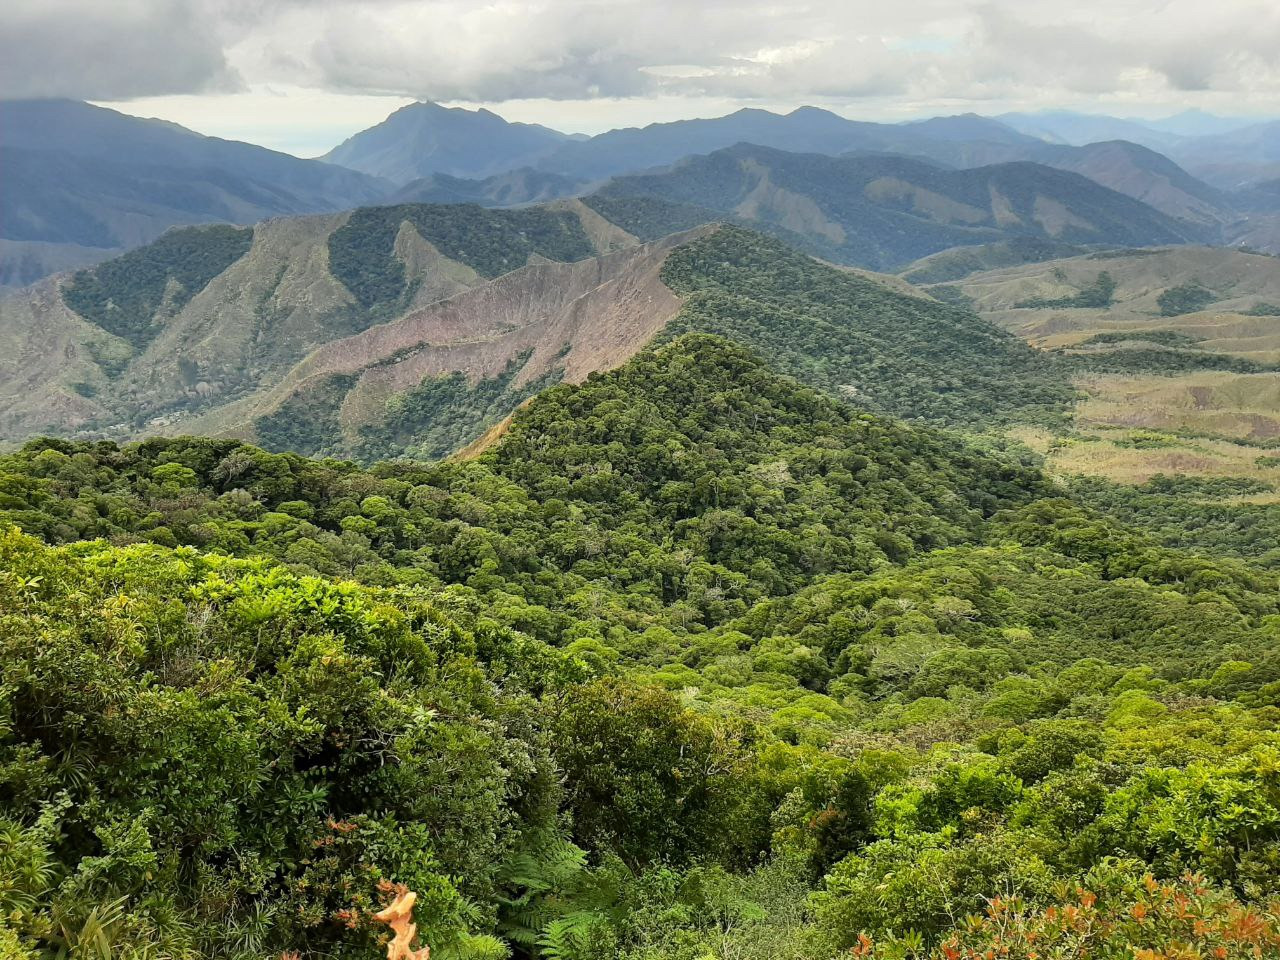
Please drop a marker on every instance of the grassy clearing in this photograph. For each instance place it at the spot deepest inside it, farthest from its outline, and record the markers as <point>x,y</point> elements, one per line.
<point>1133,457</point>
<point>1230,405</point>
<point>1128,428</point>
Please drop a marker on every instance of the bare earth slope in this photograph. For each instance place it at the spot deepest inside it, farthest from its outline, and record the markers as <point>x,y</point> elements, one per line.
<point>149,352</point>
<point>557,320</point>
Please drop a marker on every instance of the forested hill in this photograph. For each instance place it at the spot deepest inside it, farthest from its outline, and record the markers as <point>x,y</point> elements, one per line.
<point>895,352</point>
<point>694,447</point>
<point>694,661</point>
<point>205,316</point>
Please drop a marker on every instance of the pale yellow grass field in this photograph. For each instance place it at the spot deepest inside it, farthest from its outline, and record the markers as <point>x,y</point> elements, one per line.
<point>1235,405</point>
<point>1036,439</point>
<point>1103,454</point>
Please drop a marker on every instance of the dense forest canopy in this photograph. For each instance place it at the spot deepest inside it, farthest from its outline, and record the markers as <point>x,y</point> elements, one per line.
<point>123,295</point>
<point>362,250</point>
<point>695,662</point>
<point>909,356</point>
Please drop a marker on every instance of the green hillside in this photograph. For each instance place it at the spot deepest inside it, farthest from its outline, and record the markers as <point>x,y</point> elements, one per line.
<point>410,330</point>
<point>908,356</point>
<point>123,296</point>
<point>845,334</point>
<point>649,218</point>
<point>205,316</point>
<point>695,661</point>
<point>258,334</point>
<point>956,264</point>
<point>1175,356</point>
<point>684,419</point>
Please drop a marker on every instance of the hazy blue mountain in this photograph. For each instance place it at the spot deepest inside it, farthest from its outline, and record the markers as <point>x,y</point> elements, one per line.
<point>1067,126</point>
<point>1120,164</point>
<point>968,127</point>
<point>1230,153</point>
<point>422,139</point>
<point>78,178</point>
<point>967,140</point>
<point>1077,129</point>
<point>960,262</point>
<point>1236,159</point>
<point>950,140</point>
<point>509,189</point>
<point>1198,123</point>
<point>1146,175</point>
<point>886,211</point>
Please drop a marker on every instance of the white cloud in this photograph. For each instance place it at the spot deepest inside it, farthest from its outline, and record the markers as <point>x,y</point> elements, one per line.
<point>117,49</point>
<point>856,55</point>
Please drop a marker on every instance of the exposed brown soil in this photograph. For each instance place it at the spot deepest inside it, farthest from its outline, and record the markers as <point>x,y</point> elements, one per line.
<point>578,317</point>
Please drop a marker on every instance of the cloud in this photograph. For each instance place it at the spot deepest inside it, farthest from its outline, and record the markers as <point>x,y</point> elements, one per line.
<point>1222,49</point>
<point>925,51</point>
<point>776,49</point>
<point>110,50</point>
<point>570,49</point>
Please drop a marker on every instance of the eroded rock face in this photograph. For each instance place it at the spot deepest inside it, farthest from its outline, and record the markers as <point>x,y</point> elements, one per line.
<point>50,372</point>
<point>223,354</point>
<point>566,318</point>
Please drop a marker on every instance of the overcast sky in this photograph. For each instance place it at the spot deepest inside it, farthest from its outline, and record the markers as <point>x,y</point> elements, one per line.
<point>301,75</point>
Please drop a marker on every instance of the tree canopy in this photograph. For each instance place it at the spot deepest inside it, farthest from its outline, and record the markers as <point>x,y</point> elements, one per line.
<point>694,661</point>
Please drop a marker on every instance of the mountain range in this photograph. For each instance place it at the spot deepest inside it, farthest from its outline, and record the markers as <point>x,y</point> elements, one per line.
<point>365,332</point>
<point>771,536</point>
<point>1229,153</point>
<point>414,328</point>
<point>82,183</point>
<point>885,211</point>
<point>532,165</point>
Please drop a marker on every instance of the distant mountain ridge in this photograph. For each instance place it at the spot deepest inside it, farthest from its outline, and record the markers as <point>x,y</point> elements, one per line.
<point>1230,153</point>
<point>886,211</point>
<point>509,189</point>
<point>81,183</point>
<point>806,129</point>
<point>1073,127</point>
<point>422,139</point>
<point>1236,159</point>
<point>1146,175</point>
<point>541,165</point>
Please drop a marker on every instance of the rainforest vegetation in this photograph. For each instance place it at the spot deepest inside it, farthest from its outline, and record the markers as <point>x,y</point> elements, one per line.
<point>1184,298</point>
<point>491,242</point>
<point>909,356</point>
<point>124,295</point>
<point>1096,296</point>
<point>694,662</point>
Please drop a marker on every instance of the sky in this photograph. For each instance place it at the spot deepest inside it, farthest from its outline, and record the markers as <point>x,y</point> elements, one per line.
<point>302,75</point>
